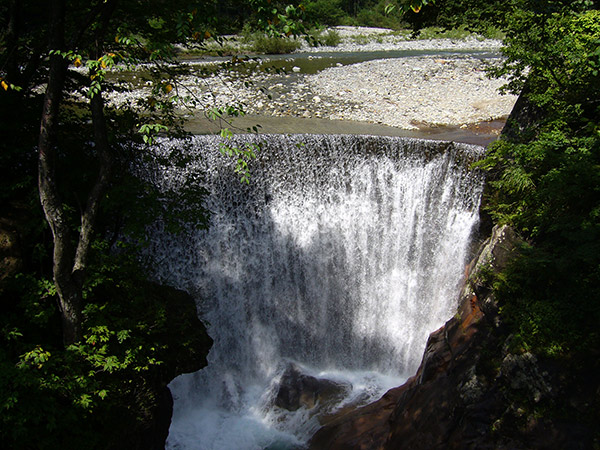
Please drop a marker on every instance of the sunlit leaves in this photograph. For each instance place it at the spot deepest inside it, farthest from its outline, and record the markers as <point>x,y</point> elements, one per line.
<point>6,86</point>
<point>35,358</point>
<point>95,87</point>
<point>243,154</point>
<point>149,131</point>
<point>222,112</point>
<point>11,334</point>
<point>123,335</point>
<point>411,5</point>
<point>156,22</point>
<point>276,22</point>
<point>126,40</point>
<point>226,133</point>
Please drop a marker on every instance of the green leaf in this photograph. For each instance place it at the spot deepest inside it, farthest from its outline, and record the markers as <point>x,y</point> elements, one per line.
<point>123,335</point>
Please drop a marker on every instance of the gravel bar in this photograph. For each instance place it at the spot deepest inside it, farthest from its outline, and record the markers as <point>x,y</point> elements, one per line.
<point>409,92</point>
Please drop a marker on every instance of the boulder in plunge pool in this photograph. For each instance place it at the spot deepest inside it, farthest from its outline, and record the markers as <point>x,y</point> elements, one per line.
<point>297,390</point>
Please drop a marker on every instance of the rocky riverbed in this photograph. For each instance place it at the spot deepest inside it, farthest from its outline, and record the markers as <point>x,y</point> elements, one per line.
<point>411,92</point>
<point>446,84</point>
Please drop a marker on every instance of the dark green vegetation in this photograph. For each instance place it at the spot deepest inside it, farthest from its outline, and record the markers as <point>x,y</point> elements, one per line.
<point>370,13</point>
<point>545,175</point>
<point>135,335</point>
<point>544,172</point>
<point>393,14</point>
<point>546,182</point>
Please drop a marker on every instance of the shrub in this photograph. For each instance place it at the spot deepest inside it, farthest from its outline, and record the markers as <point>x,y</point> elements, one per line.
<point>376,16</point>
<point>261,43</point>
<point>331,38</point>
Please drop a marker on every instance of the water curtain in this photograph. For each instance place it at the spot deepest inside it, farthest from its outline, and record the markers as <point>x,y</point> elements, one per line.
<point>340,257</point>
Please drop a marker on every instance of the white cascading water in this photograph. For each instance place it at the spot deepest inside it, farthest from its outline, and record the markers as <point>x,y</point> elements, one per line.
<point>341,256</point>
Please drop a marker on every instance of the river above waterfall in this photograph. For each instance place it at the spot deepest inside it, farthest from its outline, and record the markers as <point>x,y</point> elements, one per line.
<point>338,259</point>
<point>312,62</point>
<point>440,88</point>
<point>409,93</point>
<point>429,94</point>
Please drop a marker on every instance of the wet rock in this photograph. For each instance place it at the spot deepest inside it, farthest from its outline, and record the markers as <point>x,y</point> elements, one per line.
<point>186,348</point>
<point>297,390</point>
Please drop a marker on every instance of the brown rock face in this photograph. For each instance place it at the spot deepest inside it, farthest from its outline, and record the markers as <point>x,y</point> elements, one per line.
<point>450,402</point>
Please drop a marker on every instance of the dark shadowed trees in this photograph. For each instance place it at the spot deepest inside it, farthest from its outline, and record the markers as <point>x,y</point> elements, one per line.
<point>68,49</point>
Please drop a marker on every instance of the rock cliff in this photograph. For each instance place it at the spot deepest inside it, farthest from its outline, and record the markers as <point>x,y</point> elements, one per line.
<point>469,390</point>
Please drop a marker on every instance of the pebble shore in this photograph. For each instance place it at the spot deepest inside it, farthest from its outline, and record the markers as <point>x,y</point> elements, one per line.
<point>412,92</point>
<point>409,92</point>
<point>366,39</point>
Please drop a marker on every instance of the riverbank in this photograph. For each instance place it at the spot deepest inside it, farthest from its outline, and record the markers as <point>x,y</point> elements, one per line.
<point>413,92</point>
<point>368,39</point>
<point>445,86</point>
<point>373,77</point>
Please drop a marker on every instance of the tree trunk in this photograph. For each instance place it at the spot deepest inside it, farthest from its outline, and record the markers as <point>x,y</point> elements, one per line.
<point>68,290</point>
<point>89,215</point>
<point>70,260</point>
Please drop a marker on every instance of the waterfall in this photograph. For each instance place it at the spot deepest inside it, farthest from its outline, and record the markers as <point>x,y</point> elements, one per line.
<point>341,255</point>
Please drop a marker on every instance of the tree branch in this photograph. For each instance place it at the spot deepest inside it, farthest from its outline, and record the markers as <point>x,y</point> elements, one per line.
<point>88,217</point>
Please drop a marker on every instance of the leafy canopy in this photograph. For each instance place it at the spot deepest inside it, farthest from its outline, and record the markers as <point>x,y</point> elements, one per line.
<point>545,178</point>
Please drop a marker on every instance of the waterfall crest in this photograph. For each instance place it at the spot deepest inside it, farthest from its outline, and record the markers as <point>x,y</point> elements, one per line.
<point>341,256</point>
